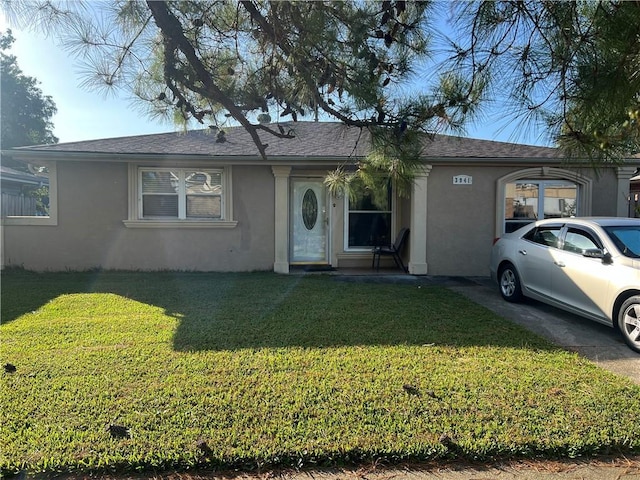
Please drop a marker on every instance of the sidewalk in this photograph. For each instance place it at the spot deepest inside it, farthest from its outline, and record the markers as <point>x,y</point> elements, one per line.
<point>622,470</point>
<point>602,469</point>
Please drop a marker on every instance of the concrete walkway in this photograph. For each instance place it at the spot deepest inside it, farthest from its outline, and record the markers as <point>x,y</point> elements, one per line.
<point>627,469</point>
<point>611,469</point>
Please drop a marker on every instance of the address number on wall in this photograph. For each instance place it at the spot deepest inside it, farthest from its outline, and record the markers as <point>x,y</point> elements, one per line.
<point>462,180</point>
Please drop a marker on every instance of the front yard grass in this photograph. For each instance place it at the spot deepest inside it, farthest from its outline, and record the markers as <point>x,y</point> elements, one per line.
<point>260,370</point>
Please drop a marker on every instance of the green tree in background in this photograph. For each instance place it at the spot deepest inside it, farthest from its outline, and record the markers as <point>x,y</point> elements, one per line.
<point>25,118</point>
<point>25,112</point>
<point>572,66</point>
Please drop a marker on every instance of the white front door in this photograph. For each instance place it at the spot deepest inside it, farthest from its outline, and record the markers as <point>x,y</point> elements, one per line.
<point>309,217</point>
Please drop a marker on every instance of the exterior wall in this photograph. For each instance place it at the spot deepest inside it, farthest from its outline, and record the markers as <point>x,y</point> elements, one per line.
<point>605,193</point>
<point>92,204</point>
<point>462,219</point>
<point>338,257</point>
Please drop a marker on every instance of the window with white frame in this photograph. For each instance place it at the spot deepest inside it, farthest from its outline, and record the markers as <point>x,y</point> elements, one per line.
<point>181,193</point>
<point>530,200</point>
<point>368,217</point>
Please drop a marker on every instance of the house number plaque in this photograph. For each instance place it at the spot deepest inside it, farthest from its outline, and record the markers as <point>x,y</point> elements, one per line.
<point>462,180</point>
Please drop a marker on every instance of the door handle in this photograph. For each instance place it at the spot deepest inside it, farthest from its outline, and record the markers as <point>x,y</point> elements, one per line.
<point>560,264</point>
<point>522,252</point>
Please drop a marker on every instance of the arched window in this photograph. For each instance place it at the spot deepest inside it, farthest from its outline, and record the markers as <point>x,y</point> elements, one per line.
<point>536,193</point>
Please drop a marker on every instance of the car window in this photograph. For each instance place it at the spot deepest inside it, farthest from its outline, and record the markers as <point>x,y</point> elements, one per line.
<point>577,241</point>
<point>544,235</point>
<point>627,239</point>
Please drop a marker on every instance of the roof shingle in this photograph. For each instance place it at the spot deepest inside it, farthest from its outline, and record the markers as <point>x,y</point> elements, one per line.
<point>312,140</point>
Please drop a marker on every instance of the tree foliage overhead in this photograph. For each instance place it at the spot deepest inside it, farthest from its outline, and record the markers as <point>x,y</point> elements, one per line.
<point>571,66</point>
<point>25,113</point>
<point>259,61</point>
<point>574,66</point>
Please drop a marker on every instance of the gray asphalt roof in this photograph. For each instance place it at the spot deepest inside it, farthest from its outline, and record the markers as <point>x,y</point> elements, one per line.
<point>312,139</point>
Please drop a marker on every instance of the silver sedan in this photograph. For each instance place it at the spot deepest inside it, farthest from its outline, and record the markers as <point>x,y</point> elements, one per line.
<point>588,266</point>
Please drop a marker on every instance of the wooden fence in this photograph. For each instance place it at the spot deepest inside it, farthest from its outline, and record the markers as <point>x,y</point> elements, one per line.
<point>20,205</point>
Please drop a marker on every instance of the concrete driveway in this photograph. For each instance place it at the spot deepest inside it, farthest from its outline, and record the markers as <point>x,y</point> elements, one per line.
<point>597,342</point>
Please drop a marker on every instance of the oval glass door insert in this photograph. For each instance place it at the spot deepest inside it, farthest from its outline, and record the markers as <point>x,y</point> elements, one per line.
<point>309,209</point>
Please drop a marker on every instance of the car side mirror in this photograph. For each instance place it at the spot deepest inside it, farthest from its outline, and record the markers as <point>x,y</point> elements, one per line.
<point>593,253</point>
<point>597,253</point>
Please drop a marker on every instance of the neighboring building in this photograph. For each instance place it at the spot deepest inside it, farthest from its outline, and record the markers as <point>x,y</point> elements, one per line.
<point>183,201</point>
<point>17,188</point>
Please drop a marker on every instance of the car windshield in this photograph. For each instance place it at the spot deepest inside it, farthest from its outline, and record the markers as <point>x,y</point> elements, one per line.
<point>626,238</point>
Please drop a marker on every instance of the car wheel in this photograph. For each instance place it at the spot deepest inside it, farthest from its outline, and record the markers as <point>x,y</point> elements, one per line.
<point>629,322</point>
<point>510,284</point>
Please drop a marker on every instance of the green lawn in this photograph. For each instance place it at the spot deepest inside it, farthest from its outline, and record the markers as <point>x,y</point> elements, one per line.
<point>260,370</point>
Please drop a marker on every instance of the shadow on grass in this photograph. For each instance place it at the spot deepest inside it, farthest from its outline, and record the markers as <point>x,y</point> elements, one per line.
<point>265,310</point>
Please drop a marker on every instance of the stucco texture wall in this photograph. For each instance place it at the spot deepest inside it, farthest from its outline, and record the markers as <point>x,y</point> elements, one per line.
<point>460,221</point>
<point>92,204</point>
<point>605,192</point>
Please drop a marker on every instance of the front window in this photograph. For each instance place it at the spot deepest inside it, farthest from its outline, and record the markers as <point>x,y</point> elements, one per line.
<point>368,217</point>
<point>527,201</point>
<point>181,194</point>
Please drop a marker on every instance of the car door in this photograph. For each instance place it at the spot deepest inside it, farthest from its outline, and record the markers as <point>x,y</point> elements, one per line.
<point>580,283</point>
<point>535,258</point>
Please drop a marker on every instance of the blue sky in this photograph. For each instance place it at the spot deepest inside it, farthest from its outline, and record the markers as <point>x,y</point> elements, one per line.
<point>85,115</point>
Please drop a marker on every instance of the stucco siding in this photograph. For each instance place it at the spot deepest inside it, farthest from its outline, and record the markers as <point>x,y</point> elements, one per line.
<point>456,230</point>
<point>460,220</point>
<point>92,205</point>
<point>605,192</point>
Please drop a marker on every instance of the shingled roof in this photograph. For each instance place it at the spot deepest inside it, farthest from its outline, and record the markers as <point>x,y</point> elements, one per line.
<point>312,140</point>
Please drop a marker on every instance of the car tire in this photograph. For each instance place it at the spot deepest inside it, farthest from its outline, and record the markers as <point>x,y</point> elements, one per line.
<point>629,322</point>
<point>509,282</point>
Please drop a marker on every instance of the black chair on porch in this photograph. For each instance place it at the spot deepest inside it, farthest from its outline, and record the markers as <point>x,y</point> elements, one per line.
<point>394,250</point>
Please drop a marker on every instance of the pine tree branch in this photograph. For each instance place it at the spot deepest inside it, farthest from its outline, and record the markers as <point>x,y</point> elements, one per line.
<point>171,28</point>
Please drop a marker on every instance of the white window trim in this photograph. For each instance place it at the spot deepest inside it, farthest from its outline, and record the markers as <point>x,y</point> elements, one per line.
<point>345,228</point>
<point>584,184</point>
<point>52,219</point>
<point>134,219</point>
